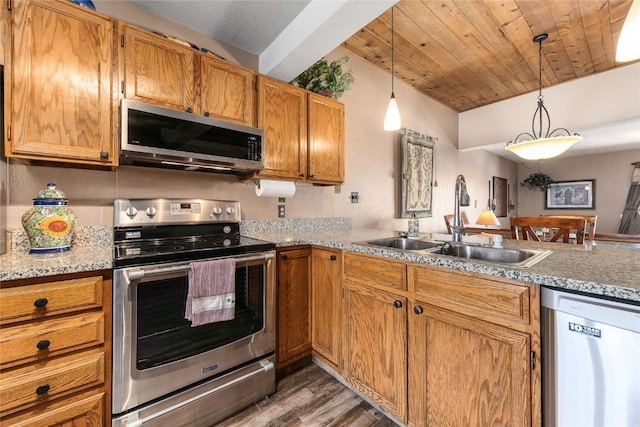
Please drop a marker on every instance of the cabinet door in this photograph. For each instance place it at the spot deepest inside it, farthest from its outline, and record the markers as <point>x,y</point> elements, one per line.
<point>227,91</point>
<point>326,140</point>
<point>158,71</point>
<point>375,346</point>
<point>294,327</point>
<point>325,304</point>
<point>282,114</point>
<point>465,371</point>
<point>60,81</point>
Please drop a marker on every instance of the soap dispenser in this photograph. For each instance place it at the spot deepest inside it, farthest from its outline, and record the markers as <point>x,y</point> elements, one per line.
<point>414,227</point>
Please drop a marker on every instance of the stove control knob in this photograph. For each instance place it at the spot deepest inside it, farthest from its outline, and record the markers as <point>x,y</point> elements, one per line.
<point>151,211</point>
<point>226,230</point>
<point>217,211</point>
<point>230,210</point>
<point>131,212</point>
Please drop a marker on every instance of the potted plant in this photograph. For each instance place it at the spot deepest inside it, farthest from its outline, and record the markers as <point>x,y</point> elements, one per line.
<point>538,181</point>
<point>326,79</point>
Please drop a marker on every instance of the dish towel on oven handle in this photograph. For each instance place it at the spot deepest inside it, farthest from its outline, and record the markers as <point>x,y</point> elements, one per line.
<point>211,293</point>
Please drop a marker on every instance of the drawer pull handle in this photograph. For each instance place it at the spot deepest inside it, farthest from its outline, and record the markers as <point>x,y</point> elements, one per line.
<point>41,302</point>
<point>43,389</point>
<point>43,344</point>
<point>417,309</point>
<point>397,303</point>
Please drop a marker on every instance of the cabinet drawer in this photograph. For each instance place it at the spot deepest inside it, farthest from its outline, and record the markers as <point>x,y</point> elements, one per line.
<point>370,270</point>
<point>85,410</point>
<point>54,337</point>
<point>40,383</point>
<point>484,297</point>
<point>47,299</point>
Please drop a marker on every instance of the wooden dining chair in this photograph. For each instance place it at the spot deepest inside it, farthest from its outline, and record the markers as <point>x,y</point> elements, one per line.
<point>526,227</point>
<point>591,223</point>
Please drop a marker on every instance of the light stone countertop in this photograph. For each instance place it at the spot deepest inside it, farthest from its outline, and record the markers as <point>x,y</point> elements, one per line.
<point>600,269</point>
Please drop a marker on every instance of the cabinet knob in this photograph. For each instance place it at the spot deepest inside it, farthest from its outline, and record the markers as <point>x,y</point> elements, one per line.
<point>41,302</point>
<point>189,110</point>
<point>104,154</point>
<point>301,175</point>
<point>397,303</point>
<point>43,389</point>
<point>284,257</point>
<point>313,175</point>
<point>333,258</point>
<point>43,344</point>
<point>206,114</point>
<point>417,309</point>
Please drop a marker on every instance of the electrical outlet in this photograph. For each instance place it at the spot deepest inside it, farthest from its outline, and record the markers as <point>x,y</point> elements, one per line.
<point>281,211</point>
<point>355,197</point>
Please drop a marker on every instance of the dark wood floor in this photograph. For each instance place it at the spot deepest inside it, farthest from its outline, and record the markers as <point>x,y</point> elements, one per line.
<point>310,397</point>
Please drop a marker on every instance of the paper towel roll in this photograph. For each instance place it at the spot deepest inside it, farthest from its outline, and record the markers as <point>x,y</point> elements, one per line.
<point>271,188</point>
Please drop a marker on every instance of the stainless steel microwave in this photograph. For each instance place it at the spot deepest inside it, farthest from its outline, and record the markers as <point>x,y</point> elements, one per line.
<point>161,137</point>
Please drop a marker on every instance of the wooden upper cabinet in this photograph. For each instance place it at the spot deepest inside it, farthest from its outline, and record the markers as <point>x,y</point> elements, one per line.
<point>226,91</point>
<point>59,84</point>
<point>157,70</point>
<point>282,114</point>
<point>326,140</point>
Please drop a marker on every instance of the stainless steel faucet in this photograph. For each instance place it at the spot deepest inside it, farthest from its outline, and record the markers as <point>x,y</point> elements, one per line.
<point>461,199</point>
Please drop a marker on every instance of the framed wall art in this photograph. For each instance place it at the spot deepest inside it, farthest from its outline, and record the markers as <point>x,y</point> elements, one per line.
<point>500,196</point>
<point>571,195</point>
<point>418,161</point>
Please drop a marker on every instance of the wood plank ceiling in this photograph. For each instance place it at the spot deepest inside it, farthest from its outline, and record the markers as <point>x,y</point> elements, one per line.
<point>470,53</point>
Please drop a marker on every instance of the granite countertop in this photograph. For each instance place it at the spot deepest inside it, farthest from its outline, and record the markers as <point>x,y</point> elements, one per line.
<point>605,270</point>
<point>602,270</point>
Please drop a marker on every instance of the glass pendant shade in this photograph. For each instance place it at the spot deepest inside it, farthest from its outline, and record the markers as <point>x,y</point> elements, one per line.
<point>542,143</point>
<point>544,148</point>
<point>392,118</point>
<point>487,217</point>
<point>628,48</point>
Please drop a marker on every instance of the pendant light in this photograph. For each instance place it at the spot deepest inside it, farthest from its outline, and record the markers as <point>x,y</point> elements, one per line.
<point>543,144</point>
<point>392,118</point>
<point>628,48</point>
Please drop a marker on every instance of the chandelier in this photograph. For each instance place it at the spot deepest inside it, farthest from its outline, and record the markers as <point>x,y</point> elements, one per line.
<point>543,143</point>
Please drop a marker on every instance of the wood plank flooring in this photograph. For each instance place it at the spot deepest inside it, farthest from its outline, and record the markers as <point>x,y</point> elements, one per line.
<point>310,397</point>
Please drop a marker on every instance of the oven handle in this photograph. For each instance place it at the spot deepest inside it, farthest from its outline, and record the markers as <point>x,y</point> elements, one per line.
<point>130,276</point>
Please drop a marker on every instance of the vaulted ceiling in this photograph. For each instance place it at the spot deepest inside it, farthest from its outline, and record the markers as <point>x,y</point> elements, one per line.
<point>467,54</point>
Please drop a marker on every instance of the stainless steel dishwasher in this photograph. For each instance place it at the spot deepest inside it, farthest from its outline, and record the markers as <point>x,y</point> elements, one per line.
<point>591,361</point>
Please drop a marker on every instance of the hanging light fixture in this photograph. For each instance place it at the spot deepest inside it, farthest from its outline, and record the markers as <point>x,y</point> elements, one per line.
<point>628,48</point>
<point>392,118</point>
<point>543,144</point>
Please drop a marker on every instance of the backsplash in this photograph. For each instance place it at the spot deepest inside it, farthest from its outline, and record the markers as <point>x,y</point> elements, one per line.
<point>298,225</point>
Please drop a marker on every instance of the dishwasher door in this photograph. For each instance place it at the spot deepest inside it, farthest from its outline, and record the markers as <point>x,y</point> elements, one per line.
<point>591,361</point>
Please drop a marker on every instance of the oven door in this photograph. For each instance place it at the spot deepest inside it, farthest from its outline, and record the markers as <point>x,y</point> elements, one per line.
<point>156,351</point>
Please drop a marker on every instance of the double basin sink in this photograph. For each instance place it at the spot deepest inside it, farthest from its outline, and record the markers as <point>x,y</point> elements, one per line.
<point>505,256</point>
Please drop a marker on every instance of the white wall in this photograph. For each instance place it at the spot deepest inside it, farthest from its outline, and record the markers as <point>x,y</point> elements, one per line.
<point>611,171</point>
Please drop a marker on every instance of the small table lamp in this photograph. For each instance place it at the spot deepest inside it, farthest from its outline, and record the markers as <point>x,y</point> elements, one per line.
<point>486,218</point>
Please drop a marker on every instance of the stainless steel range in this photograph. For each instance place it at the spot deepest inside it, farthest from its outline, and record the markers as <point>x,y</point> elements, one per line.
<point>166,371</point>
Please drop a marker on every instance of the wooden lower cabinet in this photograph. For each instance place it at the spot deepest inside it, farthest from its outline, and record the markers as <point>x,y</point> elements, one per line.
<point>293,324</point>
<point>326,297</point>
<point>55,350</point>
<point>375,346</point>
<point>435,346</point>
<point>465,372</point>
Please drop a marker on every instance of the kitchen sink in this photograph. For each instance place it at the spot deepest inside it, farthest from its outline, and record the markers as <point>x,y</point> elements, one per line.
<point>402,243</point>
<point>509,256</point>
